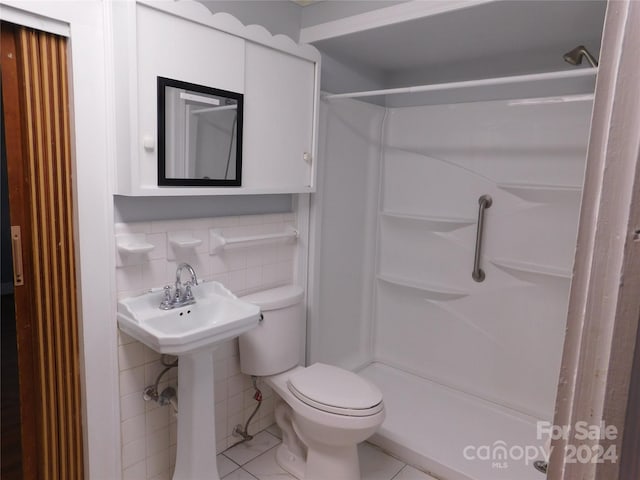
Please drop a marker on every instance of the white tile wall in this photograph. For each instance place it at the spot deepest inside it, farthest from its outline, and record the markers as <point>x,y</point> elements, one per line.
<point>148,430</point>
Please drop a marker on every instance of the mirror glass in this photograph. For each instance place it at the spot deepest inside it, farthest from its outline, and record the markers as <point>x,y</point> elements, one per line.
<point>199,135</point>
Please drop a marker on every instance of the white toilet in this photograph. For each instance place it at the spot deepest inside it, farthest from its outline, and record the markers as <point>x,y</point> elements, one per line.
<point>325,411</point>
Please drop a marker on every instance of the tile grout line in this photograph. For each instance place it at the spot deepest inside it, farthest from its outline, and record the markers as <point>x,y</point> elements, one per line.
<point>256,456</point>
<point>234,462</point>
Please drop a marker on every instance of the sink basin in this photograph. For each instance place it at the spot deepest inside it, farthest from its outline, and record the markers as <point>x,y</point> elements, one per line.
<point>216,316</point>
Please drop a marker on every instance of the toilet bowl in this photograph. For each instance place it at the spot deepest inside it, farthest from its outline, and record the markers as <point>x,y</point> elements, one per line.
<point>323,411</point>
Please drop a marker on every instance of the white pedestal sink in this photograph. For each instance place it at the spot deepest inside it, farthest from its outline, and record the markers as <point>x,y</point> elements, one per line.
<point>191,332</point>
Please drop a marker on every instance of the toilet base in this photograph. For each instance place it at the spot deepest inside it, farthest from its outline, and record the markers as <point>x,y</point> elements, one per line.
<point>339,462</point>
<point>318,445</point>
<point>322,463</point>
<point>291,454</point>
<point>308,459</point>
<point>289,462</point>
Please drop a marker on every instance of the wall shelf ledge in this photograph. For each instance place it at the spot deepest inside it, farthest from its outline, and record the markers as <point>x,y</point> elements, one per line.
<point>180,243</point>
<point>541,193</point>
<point>431,291</point>
<point>433,222</point>
<point>185,241</point>
<point>133,244</point>
<point>530,271</point>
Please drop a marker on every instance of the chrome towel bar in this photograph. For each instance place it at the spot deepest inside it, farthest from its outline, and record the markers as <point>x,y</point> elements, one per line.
<point>485,202</point>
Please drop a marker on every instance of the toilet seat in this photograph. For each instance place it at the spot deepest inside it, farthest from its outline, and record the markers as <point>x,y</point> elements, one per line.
<point>335,390</point>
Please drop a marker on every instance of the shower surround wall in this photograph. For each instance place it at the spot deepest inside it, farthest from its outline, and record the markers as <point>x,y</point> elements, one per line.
<point>148,430</point>
<point>500,339</point>
<point>346,205</point>
<point>418,324</point>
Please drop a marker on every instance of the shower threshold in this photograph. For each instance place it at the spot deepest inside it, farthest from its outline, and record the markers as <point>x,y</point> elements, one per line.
<point>449,433</point>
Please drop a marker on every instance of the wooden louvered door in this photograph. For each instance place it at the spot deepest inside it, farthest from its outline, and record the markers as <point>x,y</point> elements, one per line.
<point>37,127</point>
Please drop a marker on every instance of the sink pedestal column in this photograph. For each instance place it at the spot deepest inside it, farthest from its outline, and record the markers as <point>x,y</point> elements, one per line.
<point>196,449</point>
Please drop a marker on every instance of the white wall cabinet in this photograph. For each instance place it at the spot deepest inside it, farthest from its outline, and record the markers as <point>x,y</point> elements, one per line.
<point>184,41</point>
<point>279,119</point>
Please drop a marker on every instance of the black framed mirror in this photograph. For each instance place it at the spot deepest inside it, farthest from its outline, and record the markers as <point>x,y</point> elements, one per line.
<point>199,135</point>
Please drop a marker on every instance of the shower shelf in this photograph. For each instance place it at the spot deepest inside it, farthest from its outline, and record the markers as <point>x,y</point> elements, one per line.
<point>541,193</point>
<point>529,271</point>
<point>435,223</point>
<point>433,292</point>
<point>218,242</point>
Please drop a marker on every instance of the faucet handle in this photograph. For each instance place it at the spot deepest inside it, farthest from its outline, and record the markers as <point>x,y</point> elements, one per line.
<point>166,301</point>
<point>188,294</point>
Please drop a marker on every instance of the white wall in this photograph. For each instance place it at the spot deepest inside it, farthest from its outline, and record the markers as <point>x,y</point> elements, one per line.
<point>137,209</point>
<point>286,17</point>
<point>330,10</point>
<point>339,76</point>
<point>277,16</point>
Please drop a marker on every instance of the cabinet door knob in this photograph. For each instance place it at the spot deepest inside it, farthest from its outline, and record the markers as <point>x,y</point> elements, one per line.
<point>149,143</point>
<point>306,156</point>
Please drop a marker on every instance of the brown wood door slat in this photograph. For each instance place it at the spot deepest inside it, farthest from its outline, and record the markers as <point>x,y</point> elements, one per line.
<point>45,153</point>
<point>19,194</point>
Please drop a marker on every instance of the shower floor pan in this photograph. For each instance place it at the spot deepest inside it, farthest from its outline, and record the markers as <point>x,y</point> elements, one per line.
<point>451,434</point>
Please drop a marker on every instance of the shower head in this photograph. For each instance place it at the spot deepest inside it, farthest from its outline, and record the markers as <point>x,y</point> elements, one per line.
<point>574,57</point>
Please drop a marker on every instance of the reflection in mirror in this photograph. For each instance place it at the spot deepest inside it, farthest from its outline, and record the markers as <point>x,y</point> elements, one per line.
<point>199,135</point>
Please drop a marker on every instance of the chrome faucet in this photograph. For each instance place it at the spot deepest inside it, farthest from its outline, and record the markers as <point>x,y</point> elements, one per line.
<point>182,295</point>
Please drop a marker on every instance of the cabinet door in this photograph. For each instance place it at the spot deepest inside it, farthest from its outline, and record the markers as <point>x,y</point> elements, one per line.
<point>279,118</point>
<point>174,47</point>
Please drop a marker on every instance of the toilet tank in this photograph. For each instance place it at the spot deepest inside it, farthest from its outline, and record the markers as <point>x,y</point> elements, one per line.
<point>276,344</point>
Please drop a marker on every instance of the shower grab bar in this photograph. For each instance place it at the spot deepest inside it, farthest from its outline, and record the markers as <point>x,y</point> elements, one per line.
<point>485,202</point>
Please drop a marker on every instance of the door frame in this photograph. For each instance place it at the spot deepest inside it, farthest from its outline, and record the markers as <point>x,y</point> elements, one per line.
<point>604,304</point>
<point>92,139</point>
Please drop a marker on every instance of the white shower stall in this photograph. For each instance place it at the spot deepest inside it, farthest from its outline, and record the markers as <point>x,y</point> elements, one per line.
<point>465,367</point>
<point>465,100</point>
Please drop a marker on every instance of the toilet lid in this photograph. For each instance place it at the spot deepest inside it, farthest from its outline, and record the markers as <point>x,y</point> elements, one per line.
<point>335,390</point>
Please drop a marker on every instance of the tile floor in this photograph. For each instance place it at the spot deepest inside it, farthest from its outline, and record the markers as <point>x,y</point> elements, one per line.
<point>255,460</point>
